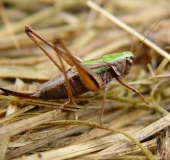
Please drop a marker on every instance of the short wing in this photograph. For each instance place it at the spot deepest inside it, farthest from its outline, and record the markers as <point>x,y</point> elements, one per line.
<point>89,78</point>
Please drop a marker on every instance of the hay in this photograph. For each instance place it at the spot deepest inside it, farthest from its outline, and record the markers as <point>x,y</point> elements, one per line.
<point>34,129</point>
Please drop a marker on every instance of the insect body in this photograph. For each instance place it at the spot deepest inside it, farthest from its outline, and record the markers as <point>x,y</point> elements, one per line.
<point>107,67</point>
<point>83,76</point>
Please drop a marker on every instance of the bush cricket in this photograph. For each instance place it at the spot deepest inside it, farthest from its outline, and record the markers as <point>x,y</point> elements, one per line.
<point>83,76</point>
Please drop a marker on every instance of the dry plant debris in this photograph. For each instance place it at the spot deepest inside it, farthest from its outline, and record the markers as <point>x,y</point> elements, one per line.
<point>32,129</point>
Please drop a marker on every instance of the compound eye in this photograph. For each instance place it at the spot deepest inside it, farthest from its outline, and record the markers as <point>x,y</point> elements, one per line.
<point>131,60</point>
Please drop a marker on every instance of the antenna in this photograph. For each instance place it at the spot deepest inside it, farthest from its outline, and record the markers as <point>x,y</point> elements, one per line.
<point>134,26</point>
<point>147,35</point>
<point>129,29</point>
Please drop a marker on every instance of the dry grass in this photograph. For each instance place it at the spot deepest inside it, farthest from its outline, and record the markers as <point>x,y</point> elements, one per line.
<point>33,129</point>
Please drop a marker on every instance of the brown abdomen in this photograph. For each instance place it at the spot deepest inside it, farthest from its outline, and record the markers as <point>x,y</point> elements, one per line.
<point>57,89</point>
